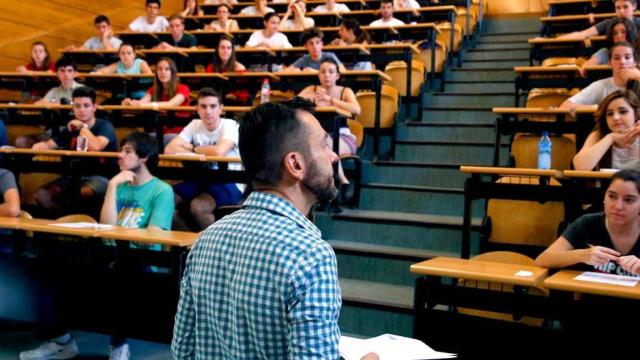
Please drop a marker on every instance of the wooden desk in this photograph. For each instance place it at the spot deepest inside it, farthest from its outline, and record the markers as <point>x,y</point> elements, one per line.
<point>281,7</point>
<point>552,25</point>
<point>432,290</point>
<point>564,281</point>
<point>543,48</point>
<point>29,81</point>
<point>578,7</point>
<point>86,60</point>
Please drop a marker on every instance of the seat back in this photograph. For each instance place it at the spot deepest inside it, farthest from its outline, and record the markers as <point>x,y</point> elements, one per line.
<point>440,57</point>
<point>16,130</point>
<point>397,70</point>
<point>524,150</point>
<point>29,183</point>
<point>357,130</point>
<point>388,107</point>
<point>77,218</point>
<point>444,35</point>
<point>122,132</point>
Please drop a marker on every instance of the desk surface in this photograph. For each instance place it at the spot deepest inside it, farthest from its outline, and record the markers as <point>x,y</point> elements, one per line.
<point>542,111</point>
<point>583,174</point>
<point>481,270</point>
<point>509,171</point>
<point>150,236</point>
<point>564,280</point>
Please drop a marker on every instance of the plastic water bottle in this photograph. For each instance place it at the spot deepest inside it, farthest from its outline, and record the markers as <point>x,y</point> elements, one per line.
<point>265,91</point>
<point>544,151</point>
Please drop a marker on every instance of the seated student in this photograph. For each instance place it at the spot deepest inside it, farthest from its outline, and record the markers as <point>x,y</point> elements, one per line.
<point>624,9</point>
<point>297,9</point>
<point>350,33</point>
<point>66,72</point>
<point>128,64</point>
<point>224,60</point>
<point>152,22</point>
<point>312,40</point>
<point>191,8</point>
<point>179,39</point>
<point>386,15</point>
<point>270,37</point>
<point>406,4</point>
<point>224,22</point>
<point>615,140</point>
<point>623,64</point>
<point>330,6</point>
<point>40,59</point>
<point>9,196</point>
<point>166,91</point>
<point>606,241</point>
<point>621,30</point>
<point>100,136</point>
<point>341,97</point>
<point>105,40</point>
<point>209,135</point>
<point>260,8</point>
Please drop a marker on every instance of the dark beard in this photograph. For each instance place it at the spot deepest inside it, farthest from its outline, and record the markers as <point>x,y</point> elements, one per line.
<point>322,187</point>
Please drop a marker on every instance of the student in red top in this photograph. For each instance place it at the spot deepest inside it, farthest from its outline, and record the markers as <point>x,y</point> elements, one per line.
<point>224,60</point>
<point>40,59</point>
<point>166,91</point>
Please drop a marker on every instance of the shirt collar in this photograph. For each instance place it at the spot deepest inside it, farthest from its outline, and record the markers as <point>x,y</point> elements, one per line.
<point>280,206</point>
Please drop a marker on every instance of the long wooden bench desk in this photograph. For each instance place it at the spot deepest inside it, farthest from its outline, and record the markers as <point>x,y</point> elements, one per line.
<point>579,7</point>
<point>439,284</point>
<point>552,25</point>
<point>281,7</point>
<point>543,48</point>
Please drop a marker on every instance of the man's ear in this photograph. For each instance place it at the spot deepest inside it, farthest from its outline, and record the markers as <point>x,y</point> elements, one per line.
<point>294,165</point>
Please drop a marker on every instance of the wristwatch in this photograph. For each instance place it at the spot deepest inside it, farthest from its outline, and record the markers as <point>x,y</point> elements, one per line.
<point>85,126</point>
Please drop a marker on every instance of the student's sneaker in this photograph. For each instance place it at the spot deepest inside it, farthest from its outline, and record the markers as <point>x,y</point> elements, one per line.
<point>120,353</point>
<point>51,350</point>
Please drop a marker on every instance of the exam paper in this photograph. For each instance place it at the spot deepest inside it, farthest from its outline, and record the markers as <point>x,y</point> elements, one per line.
<point>84,225</point>
<point>389,347</point>
<point>607,278</point>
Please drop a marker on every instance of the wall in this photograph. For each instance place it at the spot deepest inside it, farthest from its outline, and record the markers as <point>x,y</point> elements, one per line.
<point>60,23</point>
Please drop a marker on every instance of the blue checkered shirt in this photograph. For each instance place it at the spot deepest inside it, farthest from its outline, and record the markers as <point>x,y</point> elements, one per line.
<point>259,284</point>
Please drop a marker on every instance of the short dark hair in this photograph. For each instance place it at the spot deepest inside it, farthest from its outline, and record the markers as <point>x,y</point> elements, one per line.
<point>635,2</point>
<point>100,19</point>
<point>310,33</point>
<point>624,44</point>
<point>628,175</point>
<point>176,16</point>
<point>386,2</point>
<point>64,62</point>
<point>207,91</point>
<point>153,2</point>
<point>145,145</point>
<point>224,5</point>
<point>84,91</point>
<point>267,133</point>
<point>269,15</point>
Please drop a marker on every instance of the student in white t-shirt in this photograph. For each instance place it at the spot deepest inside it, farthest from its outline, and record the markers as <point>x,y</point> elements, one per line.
<point>330,6</point>
<point>152,22</point>
<point>260,8</point>
<point>386,15</point>
<point>294,18</point>
<point>214,136</point>
<point>270,37</point>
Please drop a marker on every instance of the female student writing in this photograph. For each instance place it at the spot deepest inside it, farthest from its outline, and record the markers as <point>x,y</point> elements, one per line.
<point>606,241</point>
<point>615,140</point>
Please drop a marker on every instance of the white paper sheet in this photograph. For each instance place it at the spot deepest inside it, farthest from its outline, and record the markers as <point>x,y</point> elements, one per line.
<point>389,347</point>
<point>84,225</point>
<point>608,279</point>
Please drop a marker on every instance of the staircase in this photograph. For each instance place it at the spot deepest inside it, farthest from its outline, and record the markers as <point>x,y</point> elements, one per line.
<point>411,207</point>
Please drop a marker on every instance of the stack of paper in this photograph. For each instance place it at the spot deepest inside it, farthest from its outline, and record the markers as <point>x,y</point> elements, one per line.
<point>604,278</point>
<point>389,347</point>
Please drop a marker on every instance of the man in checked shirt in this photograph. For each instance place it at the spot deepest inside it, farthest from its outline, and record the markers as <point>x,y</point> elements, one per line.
<point>261,283</point>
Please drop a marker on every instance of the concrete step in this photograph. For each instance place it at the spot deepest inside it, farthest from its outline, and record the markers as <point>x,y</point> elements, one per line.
<point>493,54</point>
<point>449,131</point>
<point>370,309</point>
<point>476,75</point>
<point>397,229</point>
<point>413,173</point>
<point>494,63</point>
<point>480,88</point>
<point>516,37</point>
<point>452,115</point>
<point>453,100</point>
<point>512,25</point>
<point>415,199</point>
<point>466,153</point>
<point>503,46</point>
